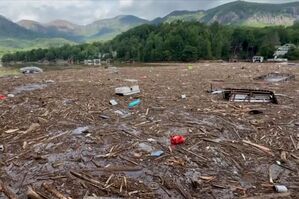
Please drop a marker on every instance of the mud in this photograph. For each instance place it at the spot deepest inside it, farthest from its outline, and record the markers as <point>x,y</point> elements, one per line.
<point>79,132</point>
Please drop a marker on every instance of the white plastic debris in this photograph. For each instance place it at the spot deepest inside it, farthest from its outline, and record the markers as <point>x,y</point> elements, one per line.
<point>127,90</point>
<point>1,147</point>
<point>31,69</point>
<point>281,188</point>
<point>50,81</point>
<point>216,92</point>
<point>123,113</point>
<point>119,112</point>
<point>10,95</point>
<point>131,80</point>
<point>81,130</point>
<point>113,102</point>
<point>151,140</point>
<point>184,96</point>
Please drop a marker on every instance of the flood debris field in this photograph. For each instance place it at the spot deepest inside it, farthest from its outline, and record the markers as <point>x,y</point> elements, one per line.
<point>60,135</point>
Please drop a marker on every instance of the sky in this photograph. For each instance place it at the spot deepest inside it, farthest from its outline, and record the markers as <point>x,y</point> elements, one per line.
<point>86,11</point>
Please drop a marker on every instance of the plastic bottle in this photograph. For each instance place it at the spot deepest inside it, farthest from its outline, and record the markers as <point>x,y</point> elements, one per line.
<point>134,103</point>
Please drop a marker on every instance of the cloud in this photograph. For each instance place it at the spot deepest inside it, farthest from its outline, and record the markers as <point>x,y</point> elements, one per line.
<point>126,3</point>
<point>87,11</point>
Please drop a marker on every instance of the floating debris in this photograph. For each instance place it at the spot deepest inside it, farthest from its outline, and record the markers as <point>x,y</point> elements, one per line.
<point>2,97</point>
<point>177,139</point>
<point>127,90</point>
<point>276,77</point>
<point>31,70</point>
<point>157,153</point>
<point>113,102</point>
<point>11,95</point>
<point>134,103</point>
<point>249,95</point>
<point>122,113</point>
<point>281,188</point>
<point>81,130</point>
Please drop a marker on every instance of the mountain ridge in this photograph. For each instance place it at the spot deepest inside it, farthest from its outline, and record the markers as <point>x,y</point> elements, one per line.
<point>233,13</point>
<point>238,13</point>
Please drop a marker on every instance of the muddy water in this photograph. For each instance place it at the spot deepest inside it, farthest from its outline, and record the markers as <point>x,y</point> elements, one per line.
<point>214,132</point>
<point>28,88</point>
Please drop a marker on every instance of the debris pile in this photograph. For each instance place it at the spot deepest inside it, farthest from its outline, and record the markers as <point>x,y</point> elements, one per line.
<point>75,137</point>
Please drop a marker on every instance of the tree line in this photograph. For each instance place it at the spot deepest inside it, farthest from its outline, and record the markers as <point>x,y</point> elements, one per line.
<point>177,41</point>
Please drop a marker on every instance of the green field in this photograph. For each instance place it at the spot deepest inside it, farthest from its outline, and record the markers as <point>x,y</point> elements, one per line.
<point>13,45</point>
<point>8,71</point>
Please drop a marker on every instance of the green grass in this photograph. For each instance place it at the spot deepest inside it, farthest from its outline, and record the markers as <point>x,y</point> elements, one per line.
<point>13,45</point>
<point>8,71</point>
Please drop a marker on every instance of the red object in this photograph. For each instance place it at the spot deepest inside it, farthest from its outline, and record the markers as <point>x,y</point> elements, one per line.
<point>177,139</point>
<point>2,97</point>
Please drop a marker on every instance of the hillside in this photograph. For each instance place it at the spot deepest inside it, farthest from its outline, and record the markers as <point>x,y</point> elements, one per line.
<point>10,29</point>
<point>26,35</point>
<point>103,29</point>
<point>30,35</point>
<point>183,15</point>
<point>253,14</point>
<point>240,13</point>
<point>54,29</point>
<point>62,26</point>
<point>108,28</point>
<point>237,13</point>
<point>178,41</point>
<point>33,26</point>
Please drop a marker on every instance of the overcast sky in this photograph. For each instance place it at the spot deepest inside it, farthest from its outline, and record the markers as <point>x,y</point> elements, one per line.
<point>87,11</point>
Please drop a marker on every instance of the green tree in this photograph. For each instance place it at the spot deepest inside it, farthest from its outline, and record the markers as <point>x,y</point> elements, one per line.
<point>293,54</point>
<point>189,53</point>
<point>50,55</point>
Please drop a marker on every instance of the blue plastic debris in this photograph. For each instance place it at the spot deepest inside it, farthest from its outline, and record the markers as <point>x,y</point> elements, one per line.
<point>157,153</point>
<point>134,103</point>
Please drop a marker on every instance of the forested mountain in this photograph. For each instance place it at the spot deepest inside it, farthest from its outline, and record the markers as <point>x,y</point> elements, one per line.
<point>28,34</point>
<point>103,29</point>
<point>235,13</point>
<point>54,29</point>
<point>108,28</point>
<point>176,41</point>
<point>240,13</point>
<point>13,36</point>
<point>182,15</point>
<point>8,29</point>
<point>253,14</point>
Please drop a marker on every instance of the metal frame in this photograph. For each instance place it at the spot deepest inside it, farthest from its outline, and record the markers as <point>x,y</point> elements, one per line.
<point>252,95</point>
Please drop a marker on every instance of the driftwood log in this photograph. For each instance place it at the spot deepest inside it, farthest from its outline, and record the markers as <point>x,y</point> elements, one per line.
<point>32,194</point>
<point>53,191</point>
<point>7,191</point>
